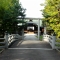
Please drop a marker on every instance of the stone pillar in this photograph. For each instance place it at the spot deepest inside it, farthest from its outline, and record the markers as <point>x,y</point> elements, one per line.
<point>45,30</point>
<point>53,42</point>
<point>38,29</point>
<point>6,40</point>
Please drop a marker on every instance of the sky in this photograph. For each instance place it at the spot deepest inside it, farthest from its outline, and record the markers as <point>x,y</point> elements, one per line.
<point>33,8</point>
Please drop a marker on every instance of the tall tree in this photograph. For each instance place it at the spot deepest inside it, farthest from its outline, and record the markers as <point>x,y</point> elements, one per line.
<point>51,15</point>
<point>9,11</point>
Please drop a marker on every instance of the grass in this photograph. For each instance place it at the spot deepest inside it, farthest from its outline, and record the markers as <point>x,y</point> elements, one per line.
<point>58,45</point>
<point>57,40</point>
<point>40,37</point>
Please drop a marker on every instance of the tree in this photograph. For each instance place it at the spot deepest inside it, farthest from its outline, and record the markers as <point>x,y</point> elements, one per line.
<point>51,15</point>
<point>9,11</point>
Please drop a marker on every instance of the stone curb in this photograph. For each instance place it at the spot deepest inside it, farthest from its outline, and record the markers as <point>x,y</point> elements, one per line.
<point>1,50</point>
<point>58,50</point>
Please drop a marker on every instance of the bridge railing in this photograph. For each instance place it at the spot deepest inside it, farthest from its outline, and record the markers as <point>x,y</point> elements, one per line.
<point>52,41</point>
<point>8,39</point>
<point>2,43</point>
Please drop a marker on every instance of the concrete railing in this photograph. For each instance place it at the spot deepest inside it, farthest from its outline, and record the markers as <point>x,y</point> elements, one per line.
<point>46,38</point>
<point>2,43</point>
<point>8,39</point>
<point>12,38</point>
<point>50,39</point>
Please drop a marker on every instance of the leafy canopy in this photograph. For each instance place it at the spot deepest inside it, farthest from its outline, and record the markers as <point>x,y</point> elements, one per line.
<point>51,14</point>
<point>9,11</point>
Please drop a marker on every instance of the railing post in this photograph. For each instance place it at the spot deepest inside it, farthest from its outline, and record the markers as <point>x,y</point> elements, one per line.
<point>6,40</point>
<point>45,30</point>
<point>53,42</point>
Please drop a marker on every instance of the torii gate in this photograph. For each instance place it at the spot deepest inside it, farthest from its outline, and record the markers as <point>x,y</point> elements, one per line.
<point>34,19</point>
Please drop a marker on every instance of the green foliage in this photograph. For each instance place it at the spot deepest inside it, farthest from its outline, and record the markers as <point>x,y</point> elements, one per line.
<point>51,15</point>
<point>9,11</point>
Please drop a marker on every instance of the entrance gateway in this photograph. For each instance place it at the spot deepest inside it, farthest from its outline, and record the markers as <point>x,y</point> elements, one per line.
<point>27,19</point>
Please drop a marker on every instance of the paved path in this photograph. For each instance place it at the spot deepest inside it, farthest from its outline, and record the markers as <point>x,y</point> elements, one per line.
<point>30,49</point>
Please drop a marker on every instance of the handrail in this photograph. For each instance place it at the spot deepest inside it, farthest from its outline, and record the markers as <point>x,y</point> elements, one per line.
<point>12,38</point>
<point>50,39</point>
<point>8,39</point>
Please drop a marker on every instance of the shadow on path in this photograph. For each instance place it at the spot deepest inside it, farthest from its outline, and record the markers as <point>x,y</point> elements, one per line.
<point>30,49</point>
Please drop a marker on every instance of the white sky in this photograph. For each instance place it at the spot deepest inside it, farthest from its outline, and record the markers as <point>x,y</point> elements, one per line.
<point>33,8</point>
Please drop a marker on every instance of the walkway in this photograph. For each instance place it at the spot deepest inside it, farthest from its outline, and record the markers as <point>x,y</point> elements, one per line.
<point>30,49</point>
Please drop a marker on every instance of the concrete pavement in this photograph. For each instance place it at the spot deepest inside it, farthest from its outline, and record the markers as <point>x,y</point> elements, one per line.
<point>30,49</point>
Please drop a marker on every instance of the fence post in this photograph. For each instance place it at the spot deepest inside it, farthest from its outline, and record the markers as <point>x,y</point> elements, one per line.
<point>53,42</point>
<point>6,40</point>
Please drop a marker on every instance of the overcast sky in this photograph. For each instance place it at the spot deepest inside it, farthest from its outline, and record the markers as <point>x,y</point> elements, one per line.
<point>33,8</point>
